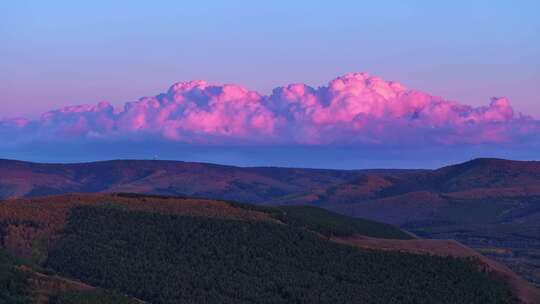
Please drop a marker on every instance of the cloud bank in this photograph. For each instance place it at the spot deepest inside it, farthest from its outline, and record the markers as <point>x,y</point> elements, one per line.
<point>354,109</point>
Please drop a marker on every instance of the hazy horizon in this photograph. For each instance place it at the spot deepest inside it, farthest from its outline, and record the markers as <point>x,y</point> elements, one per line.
<point>353,85</point>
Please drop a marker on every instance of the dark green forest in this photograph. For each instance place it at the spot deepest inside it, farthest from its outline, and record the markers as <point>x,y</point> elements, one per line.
<point>328,223</point>
<point>91,297</point>
<point>312,218</point>
<point>180,259</point>
<point>13,282</point>
<point>333,224</point>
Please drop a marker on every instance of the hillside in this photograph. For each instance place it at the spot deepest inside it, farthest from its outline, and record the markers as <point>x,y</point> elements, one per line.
<point>28,225</point>
<point>471,180</point>
<point>166,249</point>
<point>20,284</point>
<point>23,179</point>
<point>492,205</point>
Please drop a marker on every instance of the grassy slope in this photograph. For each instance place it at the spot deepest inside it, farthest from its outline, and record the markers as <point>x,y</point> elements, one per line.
<point>23,179</point>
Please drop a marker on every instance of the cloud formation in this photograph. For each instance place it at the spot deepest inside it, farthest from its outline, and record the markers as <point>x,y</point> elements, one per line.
<point>354,109</point>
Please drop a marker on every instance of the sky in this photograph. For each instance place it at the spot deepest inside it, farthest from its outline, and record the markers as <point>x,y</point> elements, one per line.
<point>459,54</point>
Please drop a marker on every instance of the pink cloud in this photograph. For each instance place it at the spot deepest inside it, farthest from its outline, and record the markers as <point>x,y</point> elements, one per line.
<point>355,108</point>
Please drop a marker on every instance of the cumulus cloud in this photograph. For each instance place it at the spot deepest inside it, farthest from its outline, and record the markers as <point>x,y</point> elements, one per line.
<point>354,109</point>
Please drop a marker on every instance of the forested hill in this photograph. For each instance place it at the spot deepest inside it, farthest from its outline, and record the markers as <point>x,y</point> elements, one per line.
<point>180,250</point>
<point>492,205</point>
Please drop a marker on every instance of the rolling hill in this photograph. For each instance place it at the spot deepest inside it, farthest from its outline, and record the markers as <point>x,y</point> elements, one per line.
<point>128,248</point>
<point>256,185</point>
<point>492,205</point>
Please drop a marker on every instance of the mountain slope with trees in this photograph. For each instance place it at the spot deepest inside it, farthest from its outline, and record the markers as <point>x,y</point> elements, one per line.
<point>163,249</point>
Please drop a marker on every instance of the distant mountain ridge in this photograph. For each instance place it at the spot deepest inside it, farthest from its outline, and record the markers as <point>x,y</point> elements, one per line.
<point>250,184</point>
<point>478,173</point>
<point>474,180</point>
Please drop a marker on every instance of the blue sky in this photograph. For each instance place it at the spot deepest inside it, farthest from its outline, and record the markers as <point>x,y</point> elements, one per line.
<point>60,53</point>
<point>57,53</point>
